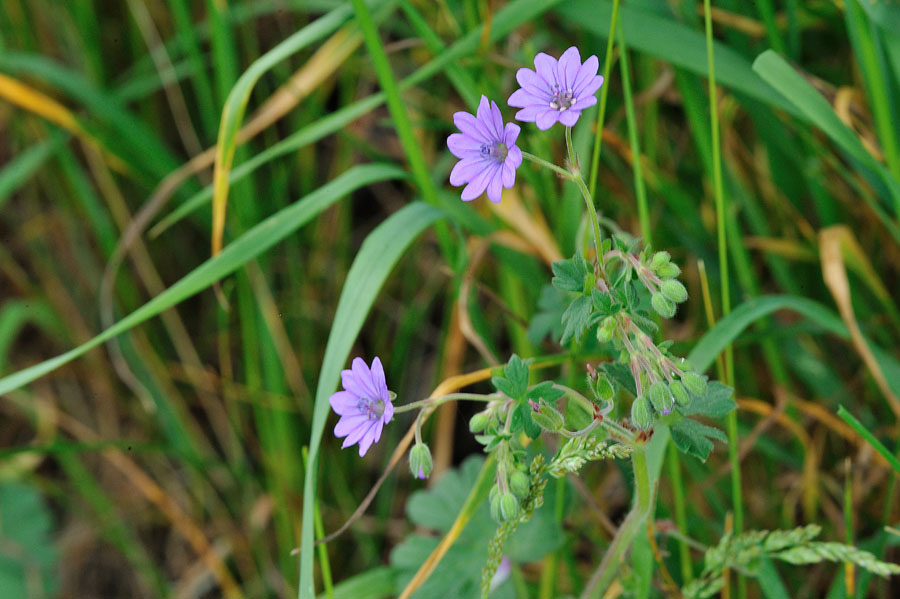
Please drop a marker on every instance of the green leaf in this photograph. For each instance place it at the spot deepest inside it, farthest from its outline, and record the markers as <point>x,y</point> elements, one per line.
<point>522,421</point>
<point>371,267</point>
<point>516,372</point>
<point>459,573</point>
<point>576,318</point>
<point>545,391</point>
<point>28,557</point>
<point>248,246</point>
<point>568,275</point>
<point>377,583</point>
<point>551,306</point>
<point>694,438</point>
<point>620,375</point>
<point>716,403</point>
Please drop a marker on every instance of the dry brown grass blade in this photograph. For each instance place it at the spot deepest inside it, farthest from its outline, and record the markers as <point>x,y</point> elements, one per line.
<point>529,224</point>
<point>326,60</point>
<point>832,244</point>
<point>39,103</point>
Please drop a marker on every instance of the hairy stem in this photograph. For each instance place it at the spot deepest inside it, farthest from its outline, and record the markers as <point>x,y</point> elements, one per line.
<point>632,524</point>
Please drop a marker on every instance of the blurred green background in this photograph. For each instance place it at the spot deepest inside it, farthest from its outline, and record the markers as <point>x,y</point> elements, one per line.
<point>168,461</point>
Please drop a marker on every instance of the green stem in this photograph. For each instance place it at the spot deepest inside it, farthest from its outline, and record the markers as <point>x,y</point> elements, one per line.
<point>601,114</point>
<point>579,181</point>
<point>570,148</point>
<point>609,567</point>
<point>592,214</point>
<point>736,492</point>
<point>639,189</point>
<point>547,164</point>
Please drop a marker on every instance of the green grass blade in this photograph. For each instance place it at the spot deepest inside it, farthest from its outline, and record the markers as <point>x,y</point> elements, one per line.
<point>675,43</point>
<point>374,262</point>
<point>780,75</point>
<point>875,77</point>
<point>507,19</point>
<point>251,244</point>
<point>877,445</point>
<point>20,169</point>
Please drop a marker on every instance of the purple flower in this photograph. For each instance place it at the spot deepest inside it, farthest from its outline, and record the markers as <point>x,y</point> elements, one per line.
<point>556,90</point>
<point>364,406</point>
<point>487,151</point>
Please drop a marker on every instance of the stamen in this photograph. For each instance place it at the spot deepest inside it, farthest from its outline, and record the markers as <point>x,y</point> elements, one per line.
<point>373,409</point>
<point>560,99</point>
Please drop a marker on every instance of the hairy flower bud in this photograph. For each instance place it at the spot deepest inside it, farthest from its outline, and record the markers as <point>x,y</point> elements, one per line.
<point>420,462</point>
<point>641,415</point>
<point>606,329</point>
<point>509,507</point>
<point>548,417</point>
<point>495,506</point>
<point>674,290</point>
<point>478,422</point>
<point>519,483</point>
<point>668,270</point>
<point>682,398</point>
<point>603,389</point>
<point>660,397</point>
<point>663,305</point>
<point>695,383</point>
<point>659,259</point>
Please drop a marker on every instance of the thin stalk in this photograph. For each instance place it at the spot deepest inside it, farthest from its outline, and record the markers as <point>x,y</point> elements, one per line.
<point>632,524</point>
<point>736,496</point>
<point>639,188</point>
<point>578,180</point>
<point>601,113</point>
<point>684,552</point>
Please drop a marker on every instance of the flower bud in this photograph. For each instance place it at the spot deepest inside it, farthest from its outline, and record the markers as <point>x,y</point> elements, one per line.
<point>663,305</point>
<point>495,507</point>
<point>478,422</point>
<point>606,329</point>
<point>519,483</point>
<point>420,462</point>
<point>659,259</point>
<point>641,415</point>
<point>668,270</point>
<point>548,417</point>
<point>674,290</point>
<point>682,398</point>
<point>660,397</point>
<point>603,389</point>
<point>509,507</point>
<point>695,383</point>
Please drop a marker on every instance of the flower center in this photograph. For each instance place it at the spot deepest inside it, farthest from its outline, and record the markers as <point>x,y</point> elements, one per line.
<point>373,409</point>
<point>561,99</point>
<point>496,150</point>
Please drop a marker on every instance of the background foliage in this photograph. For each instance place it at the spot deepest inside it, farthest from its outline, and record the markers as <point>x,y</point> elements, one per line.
<point>168,461</point>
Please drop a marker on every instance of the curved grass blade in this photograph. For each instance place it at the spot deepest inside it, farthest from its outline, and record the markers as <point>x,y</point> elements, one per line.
<point>245,248</point>
<point>236,104</point>
<point>813,106</point>
<point>675,43</point>
<point>506,20</point>
<point>376,258</point>
<point>856,425</point>
<point>22,167</point>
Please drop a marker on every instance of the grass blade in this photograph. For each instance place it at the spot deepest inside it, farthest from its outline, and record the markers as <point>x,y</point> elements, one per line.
<point>253,243</point>
<point>377,256</point>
